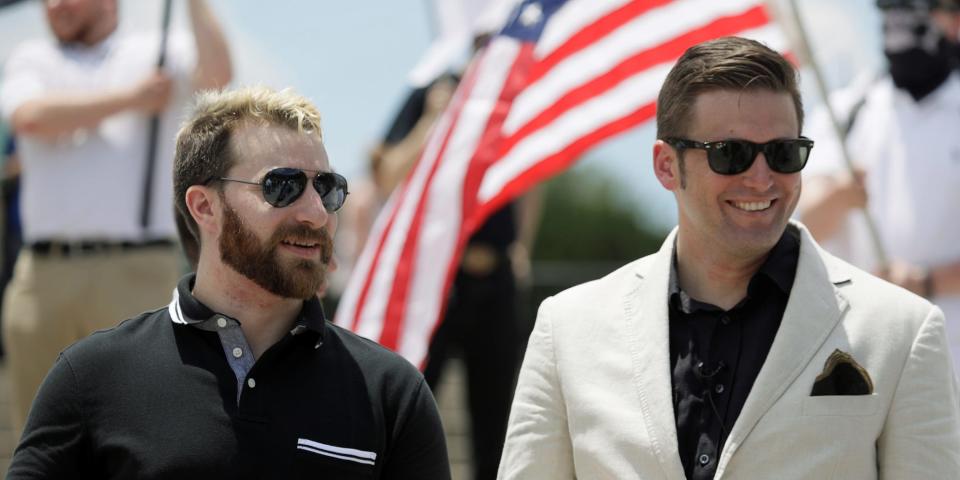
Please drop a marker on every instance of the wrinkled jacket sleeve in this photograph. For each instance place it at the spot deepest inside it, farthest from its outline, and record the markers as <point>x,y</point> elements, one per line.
<point>538,444</point>
<point>53,443</point>
<point>921,438</point>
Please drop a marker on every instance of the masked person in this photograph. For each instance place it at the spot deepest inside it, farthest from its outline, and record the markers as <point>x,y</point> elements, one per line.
<point>902,137</point>
<point>241,375</point>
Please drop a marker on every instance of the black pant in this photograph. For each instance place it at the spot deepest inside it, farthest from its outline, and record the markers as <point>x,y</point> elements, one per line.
<point>481,322</point>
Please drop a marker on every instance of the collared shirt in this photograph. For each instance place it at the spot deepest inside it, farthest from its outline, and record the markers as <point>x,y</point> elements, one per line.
<point>163,395</point>
<point>716,355</point>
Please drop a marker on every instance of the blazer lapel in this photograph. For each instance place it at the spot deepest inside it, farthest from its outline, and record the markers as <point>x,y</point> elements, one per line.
<point>813,310</point>
<point>647,332</point>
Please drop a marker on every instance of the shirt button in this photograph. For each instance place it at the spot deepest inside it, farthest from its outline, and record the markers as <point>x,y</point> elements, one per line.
<point>251,383</point>
<point>237,352</point>
<point>719,388</point>
<point>704,459</point>
<point>222,322</point>
<point>725,319</point>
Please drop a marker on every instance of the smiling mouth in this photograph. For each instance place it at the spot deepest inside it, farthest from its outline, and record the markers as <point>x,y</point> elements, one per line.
<point>301,243</point>
<point>753,206</point>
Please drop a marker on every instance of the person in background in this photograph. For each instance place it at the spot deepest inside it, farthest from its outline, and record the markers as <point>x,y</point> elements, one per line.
<point>80,105</point>
<point>481,325</point>
<point>907,161</point>
<point>740,349</point>
<point>241,375</point>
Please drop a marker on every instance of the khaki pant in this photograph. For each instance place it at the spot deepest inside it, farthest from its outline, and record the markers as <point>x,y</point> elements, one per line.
<point>53,301</point>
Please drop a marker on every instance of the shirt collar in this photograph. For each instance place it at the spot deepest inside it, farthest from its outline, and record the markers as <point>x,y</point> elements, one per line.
<point>780,268</point>
<point>95,52</point>
<point>185,309</point>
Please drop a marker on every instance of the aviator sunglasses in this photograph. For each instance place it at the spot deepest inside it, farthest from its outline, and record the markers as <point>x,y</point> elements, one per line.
<point>283,186</point>
<point>730,157</point>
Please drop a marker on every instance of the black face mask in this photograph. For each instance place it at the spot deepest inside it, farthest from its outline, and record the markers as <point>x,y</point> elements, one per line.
<point>920,59</point>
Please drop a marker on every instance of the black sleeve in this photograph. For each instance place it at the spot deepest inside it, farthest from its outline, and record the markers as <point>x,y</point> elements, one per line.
<point>419,445</point>
<point>52,445</point>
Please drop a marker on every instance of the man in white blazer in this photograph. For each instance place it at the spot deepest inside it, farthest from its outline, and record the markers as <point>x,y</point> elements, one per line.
<point>740,350</point>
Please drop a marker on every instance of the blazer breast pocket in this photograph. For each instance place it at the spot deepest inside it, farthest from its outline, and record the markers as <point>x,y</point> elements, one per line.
<point>840,405</point>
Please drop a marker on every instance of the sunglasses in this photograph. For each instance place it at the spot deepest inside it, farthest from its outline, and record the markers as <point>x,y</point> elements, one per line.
<point>283,186</point>
<point>730,157</point>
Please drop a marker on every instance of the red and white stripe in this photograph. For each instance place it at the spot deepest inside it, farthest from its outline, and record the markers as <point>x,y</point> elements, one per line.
<point>522,113</point>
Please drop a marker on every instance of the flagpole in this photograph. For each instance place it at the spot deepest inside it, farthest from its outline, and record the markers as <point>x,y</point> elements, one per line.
<point>807,52</point>
<point>154,132</point>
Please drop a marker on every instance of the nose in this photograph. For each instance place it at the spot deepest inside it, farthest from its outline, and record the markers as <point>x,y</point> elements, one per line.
<point>759,176</point>
<point>310,210</point>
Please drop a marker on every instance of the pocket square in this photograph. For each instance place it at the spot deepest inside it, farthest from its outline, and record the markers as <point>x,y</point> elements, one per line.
<point>842,375</point>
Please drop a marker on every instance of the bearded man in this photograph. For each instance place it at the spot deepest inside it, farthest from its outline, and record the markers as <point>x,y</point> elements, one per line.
<point>240,376</point>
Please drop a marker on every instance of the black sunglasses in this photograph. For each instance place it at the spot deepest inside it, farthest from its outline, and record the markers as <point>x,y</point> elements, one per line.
<point>730,157</point>
<point>283,186</point>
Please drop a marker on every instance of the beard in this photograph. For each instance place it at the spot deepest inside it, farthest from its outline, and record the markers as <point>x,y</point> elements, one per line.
<point>261,263</point>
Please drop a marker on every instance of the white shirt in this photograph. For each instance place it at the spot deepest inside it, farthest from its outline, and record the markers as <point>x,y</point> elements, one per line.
<point>88,185</point>
<point>911,153</point>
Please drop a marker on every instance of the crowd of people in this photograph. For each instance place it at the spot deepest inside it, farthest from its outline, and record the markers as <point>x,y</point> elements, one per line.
<point>774,335</point>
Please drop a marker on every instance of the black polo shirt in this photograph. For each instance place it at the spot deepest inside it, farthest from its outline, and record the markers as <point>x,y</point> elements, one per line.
<point>716,355</point>
<point>156,397</point>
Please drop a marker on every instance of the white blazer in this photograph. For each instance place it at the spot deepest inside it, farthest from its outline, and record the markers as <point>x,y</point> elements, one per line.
<point>593,400</point>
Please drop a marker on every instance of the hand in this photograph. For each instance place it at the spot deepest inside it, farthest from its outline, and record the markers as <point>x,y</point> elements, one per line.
<point>909,276</point>
<point>849,191</point>
<point>522,267</point>
<point>439,96</point>
<point>152,94</point>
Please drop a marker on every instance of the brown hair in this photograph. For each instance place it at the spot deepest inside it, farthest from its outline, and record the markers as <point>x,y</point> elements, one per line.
<point>203,142</point>
<point>728,63</point>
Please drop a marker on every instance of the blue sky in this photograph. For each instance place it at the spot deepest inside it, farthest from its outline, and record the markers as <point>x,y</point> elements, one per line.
<point>352,59</point>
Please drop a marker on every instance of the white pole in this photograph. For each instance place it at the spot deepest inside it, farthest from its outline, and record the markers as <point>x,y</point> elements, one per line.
<point>807,52</point>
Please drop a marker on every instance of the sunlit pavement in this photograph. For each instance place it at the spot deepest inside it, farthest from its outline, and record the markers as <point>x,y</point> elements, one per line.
<point>450,396</point>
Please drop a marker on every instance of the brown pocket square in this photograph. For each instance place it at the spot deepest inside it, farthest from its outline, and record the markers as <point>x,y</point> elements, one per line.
<point>842,375</point>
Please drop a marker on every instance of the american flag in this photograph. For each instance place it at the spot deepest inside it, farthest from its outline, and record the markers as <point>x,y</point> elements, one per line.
<point>559,78</point>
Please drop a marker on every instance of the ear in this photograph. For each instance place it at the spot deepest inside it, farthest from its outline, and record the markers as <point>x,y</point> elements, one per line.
<point>204,206</point>
<point>666,165</point>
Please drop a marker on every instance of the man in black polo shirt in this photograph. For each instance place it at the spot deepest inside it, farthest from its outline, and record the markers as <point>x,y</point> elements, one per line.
<point>241,376</point>
<point>740,349</point>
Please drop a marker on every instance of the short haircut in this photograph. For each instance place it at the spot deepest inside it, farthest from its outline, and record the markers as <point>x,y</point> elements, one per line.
<point>728,63</point>
<point>203,144</point>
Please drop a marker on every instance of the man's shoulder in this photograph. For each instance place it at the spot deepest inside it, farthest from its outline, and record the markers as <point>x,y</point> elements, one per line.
<point>865,291</point>
<point>33,51</point>
<point>370,356</point>
<point>135,335</point>
<point>615,283</point>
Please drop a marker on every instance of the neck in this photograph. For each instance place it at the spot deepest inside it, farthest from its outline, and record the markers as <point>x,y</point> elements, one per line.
<point>264,317</point>
<point>715,277</point>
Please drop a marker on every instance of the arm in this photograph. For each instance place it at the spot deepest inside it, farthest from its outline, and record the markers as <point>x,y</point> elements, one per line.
<point>538,444</point>
<point>943,279</point>
<point>828,199</point>
<point>53,443</point>
<point>529,213</point>
<point>56,114</point>
<point>399,158</point>
<point>214,69</point>
<point>921,438</point>
<point>419,447</point>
